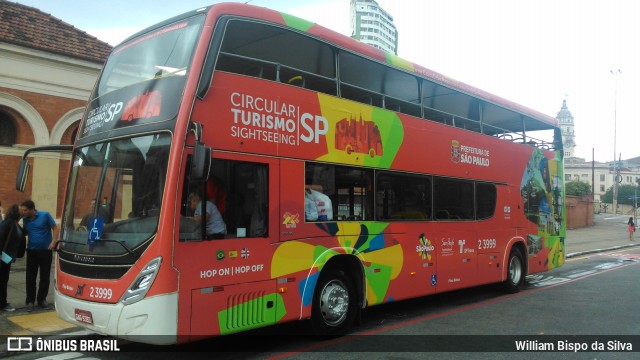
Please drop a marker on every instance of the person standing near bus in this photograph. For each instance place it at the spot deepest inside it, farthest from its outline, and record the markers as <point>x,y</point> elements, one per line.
<point>12,244</point>
<point>631,227</point>
<point>39,226</point>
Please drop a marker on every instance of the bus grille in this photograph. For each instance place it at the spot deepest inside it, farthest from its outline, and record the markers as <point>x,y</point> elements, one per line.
<point>93,271</point>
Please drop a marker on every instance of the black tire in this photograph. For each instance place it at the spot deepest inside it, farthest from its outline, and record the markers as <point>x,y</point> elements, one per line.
<point>515,272</point>
<point>334,305</point>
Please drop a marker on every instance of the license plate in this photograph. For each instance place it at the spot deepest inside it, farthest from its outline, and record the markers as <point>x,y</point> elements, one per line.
<point>84,316</point>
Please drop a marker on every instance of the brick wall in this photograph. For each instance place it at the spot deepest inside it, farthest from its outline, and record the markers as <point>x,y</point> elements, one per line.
<point>51,109</point>
<point>8,193</point>
<point>579,211</point>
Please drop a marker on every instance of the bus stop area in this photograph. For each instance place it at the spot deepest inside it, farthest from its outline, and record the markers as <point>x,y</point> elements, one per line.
<point>607,233</point>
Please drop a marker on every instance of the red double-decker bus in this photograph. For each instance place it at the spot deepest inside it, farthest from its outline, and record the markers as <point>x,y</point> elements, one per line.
<point>333,177</point>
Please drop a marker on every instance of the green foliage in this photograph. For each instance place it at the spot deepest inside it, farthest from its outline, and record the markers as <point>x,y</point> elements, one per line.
<point>625,195</point>
<point>577,188</point>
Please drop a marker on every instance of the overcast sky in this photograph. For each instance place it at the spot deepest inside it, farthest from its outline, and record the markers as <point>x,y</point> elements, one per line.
<point>536,53</point>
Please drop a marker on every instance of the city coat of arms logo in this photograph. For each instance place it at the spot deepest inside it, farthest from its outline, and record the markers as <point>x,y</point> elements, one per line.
<point>455,151</point>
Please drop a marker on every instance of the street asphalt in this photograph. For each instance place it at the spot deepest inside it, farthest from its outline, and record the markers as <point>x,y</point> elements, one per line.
<point>609,232</point>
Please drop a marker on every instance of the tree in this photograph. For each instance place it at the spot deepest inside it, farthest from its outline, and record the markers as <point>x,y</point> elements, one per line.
<point>626,195</point>
<point>577,188</point>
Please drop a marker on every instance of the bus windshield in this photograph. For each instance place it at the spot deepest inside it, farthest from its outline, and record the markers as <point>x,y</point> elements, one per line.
<point>115,193</point>
<point>161,53</point>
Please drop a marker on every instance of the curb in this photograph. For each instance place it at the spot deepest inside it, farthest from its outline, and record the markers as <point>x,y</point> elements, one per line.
<point>594,251</point>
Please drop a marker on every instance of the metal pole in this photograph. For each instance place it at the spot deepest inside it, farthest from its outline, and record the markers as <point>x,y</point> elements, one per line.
<point>593,174</point>
<point>615,120</point>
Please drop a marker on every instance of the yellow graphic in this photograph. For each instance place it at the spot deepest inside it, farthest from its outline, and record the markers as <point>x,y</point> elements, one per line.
<point>291,220</point>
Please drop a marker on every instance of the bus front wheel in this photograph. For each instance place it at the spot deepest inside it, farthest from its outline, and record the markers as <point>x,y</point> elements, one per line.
<point>515,272</point>
<point>334,304</point>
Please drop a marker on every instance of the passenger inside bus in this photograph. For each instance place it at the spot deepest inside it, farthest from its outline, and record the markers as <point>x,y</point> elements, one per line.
<point>317,206</point>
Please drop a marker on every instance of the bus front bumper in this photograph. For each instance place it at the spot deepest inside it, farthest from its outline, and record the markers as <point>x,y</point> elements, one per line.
<point>151,320</point>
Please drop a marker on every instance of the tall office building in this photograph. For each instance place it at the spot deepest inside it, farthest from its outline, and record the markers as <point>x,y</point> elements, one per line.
<point>374,26</point>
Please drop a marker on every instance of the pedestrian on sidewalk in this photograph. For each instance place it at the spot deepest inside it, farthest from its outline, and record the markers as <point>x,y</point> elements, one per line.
<point>12,244</point>
<point>38,226</point>
<point>631,227</point>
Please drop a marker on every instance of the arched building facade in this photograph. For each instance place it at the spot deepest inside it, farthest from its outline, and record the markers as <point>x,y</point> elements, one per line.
<point>47,71</point>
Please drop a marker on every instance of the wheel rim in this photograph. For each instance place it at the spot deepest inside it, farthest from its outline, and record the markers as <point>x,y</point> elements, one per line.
<point>515,270</point>
<point>334,302</point>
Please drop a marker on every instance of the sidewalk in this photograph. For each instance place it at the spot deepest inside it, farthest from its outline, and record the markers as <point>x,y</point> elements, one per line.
<point>608,233</point>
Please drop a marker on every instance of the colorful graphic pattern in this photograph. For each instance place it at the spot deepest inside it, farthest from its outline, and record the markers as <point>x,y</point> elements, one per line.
<point>381,128</point>
<point>366,241</point>
<point>542,190</point>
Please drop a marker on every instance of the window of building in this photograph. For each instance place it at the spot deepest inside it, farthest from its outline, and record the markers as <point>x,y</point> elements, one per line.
<point>602,177</point>
<point>567,177</point>
<point>7,129</point>
<point>601,188</point>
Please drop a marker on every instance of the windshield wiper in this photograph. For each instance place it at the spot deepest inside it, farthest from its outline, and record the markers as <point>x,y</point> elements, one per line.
<point>122,244</point>
<point>56,248</point>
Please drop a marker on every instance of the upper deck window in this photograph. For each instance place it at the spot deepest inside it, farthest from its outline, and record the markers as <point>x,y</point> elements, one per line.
<point>278,54</point>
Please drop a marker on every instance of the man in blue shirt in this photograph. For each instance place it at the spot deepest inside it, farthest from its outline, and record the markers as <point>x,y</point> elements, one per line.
<point>38,226</point>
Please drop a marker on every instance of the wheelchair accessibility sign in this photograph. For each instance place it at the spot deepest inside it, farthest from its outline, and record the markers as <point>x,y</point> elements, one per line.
<point>95,232</point>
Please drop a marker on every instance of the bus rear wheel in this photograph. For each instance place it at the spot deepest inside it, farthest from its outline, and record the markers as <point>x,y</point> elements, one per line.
<point>334,304</point>
<point>515,272</point>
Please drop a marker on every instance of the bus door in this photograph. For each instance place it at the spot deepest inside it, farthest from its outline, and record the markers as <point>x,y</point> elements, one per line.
<point>225,265</point>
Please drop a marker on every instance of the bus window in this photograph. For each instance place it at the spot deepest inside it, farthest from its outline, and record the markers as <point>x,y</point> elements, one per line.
<point>260,50</point>
<point>453,199</point>
<point>375,84</point>
<point>403,197</point>
<point>485,200</point>
<point>238,191</point>
<point>348,189</point>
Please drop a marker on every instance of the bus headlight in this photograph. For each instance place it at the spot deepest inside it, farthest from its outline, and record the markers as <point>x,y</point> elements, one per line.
<point>142,283</point>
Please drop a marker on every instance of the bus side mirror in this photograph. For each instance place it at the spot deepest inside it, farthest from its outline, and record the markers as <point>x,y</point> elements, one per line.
<point>201,162</point>
<point>23,172</point>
